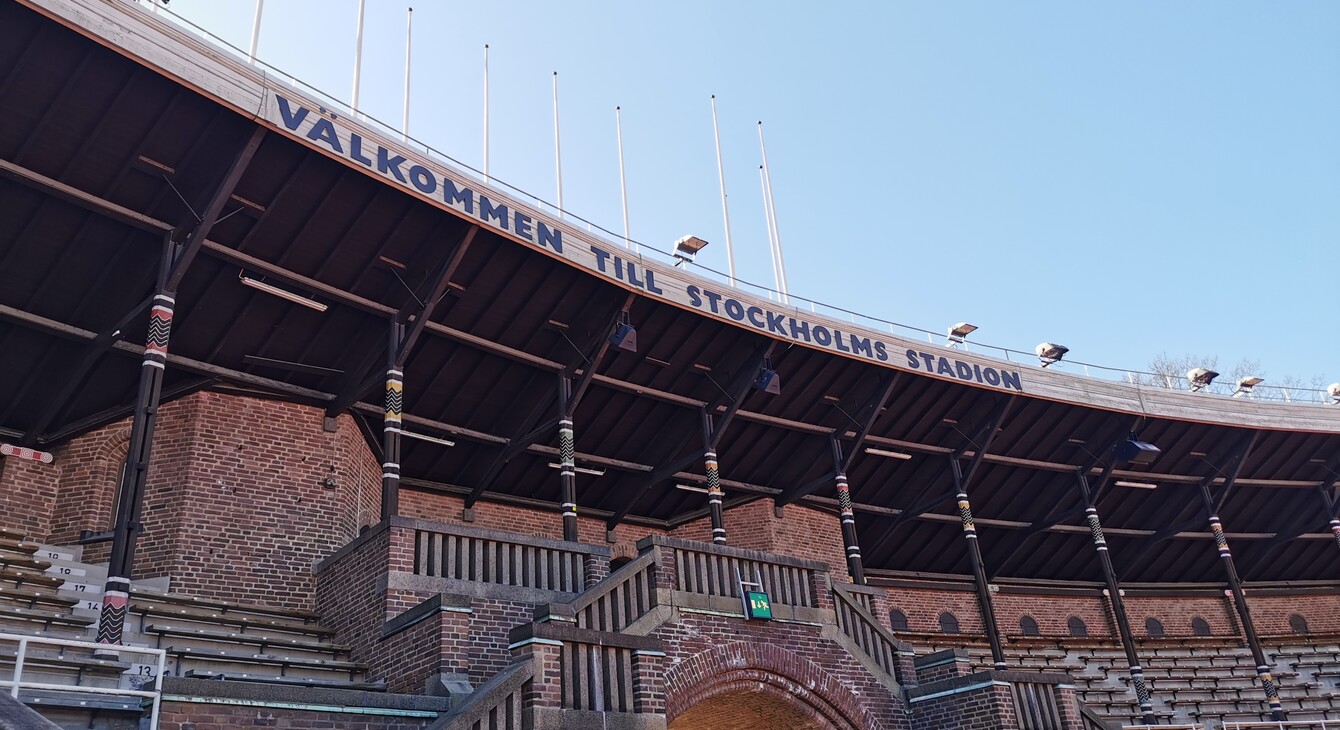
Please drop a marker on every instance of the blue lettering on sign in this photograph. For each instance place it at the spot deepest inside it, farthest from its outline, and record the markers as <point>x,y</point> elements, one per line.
<point>928,362</point>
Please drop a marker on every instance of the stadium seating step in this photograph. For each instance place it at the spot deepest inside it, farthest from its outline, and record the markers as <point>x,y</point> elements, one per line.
<point>377,686</point>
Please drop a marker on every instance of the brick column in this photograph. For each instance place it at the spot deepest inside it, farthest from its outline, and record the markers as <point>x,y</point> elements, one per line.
<point>649,682</point>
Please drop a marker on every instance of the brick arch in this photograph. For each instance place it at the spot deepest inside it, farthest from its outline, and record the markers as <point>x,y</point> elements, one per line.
<point>786,677</point>
<point>92,468</point>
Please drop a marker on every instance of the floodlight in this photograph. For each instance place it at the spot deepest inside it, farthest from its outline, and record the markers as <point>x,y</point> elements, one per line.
<point>1136,451</point>
<point>625,335</point>
<point>1333,390</point>
<point>294,297</point>
<point>691,488</point>
<point>426,437</point>
<point>1245,385</point>
<point>1200,377</point>
<point>687,248</point>
<point>1051,353</point>
<point>960,331</point>
<point>768,380</point>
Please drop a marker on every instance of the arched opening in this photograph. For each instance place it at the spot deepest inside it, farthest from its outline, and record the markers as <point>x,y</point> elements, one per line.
<point>1028,626</point>
<point>1298,624</point>
<point>1076,626</point>
<point>1200,627</point>
<point>948,623</point>
<point>750,709</point>
<point>897,620</point>
<point>1153,627</point>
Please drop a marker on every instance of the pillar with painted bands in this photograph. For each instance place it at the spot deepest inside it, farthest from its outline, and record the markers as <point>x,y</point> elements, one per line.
<point>714,496</point>
<point>849,541</point>
<point>567,461</point>
<point>1263,672</point>
<point>978,571</point>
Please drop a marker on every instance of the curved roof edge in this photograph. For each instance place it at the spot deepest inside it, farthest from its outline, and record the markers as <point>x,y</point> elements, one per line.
<point>250,91</point>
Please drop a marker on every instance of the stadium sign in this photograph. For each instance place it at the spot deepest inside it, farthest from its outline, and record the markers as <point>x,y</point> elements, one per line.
<point>430,180</point>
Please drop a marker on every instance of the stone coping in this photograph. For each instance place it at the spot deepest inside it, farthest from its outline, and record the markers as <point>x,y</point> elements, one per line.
<point>944,656</point>
<point>731,552</point>
<point>260,692</point>
<point>567,633</point>
<point>440,603</point>
<point>983,678</point>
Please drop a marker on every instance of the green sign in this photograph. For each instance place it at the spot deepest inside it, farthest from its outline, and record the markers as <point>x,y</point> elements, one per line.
<point>758,605</point>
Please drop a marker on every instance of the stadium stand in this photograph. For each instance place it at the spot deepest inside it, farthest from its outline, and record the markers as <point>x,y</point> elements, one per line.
<point>424,455</point>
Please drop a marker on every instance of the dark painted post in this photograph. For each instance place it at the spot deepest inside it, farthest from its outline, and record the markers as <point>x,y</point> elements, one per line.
<point>714,493</point>
<point>567,460</point>
<point>848,517</point>
<point>135,471</point>
<point>1114,594</point>
<point>391,425</point>
<point>978,569</point>
<point>1240,601</point>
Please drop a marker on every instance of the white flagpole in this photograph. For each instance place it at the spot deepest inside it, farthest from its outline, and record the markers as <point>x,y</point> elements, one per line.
<point>772,207</point>
<point>772,245</point>
<point>409,36</point>
<point>623,185</point>
<point>725,210</point>
<point>358,54</point>
<point>255,31</point>
<point>486,112</point>
<point>558,150</point>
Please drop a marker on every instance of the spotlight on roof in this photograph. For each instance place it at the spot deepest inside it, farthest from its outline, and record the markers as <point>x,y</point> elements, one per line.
<point>687,248</point>
<point>1050,353</point>
<point>960,331</point>
<point>1245,385</point>
<point>1200,377</point>
<point>768,380</point>
<point>1333,390</point>
<point>625,335</point>
<point>1136,452</point>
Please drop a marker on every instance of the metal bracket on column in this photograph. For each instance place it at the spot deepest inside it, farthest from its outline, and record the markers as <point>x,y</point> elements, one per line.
<point>873,408</point>
<point>371,370</point>
<point>688,450</point>
<point>537,426</point>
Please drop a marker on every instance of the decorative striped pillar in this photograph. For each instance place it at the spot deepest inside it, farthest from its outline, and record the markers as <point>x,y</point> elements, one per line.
<point>1335,530</point>
<point>135,472</point>
<point>978,571</point>
<point>714,495</point>
<point>848,517</point>
<point>1118,608</point>
<point>567,460</point>
<point>1244,614</point>
<point>391,429</point>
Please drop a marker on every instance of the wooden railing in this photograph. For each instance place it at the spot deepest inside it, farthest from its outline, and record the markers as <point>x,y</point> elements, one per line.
<point>1035,706</point>
<point>713,570</point>
<point>857,623</point>
<point>619,600</point>
<point>487,556</point>
<point>497,705</point>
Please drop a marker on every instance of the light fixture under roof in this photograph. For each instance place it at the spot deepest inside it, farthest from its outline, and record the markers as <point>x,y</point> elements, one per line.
<point>768,380</point>
<point>426,437</point>
<point>1245,385</point>
<point>691,488</point>
<point>624,336</point>
<point>1136,485</point>
<point>687,248</point>
<point>579,469</point>
<point>1200,377</point>
<point>884,452</point>
<point>959,331</point>
<point>294,297</point>
<point>1050,353</point>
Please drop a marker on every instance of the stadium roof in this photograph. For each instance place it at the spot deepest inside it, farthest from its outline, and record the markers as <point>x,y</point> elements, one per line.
<point>118,131</point>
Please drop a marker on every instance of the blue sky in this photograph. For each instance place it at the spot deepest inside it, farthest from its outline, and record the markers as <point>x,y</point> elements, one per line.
<point>1125,179</point>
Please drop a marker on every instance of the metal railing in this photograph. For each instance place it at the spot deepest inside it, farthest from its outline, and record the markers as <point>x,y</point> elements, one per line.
<point>16,683</point>
<point>1283,724</point>
<point>790,303</point>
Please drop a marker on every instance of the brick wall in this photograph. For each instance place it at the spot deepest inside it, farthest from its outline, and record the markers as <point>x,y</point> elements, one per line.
<point>1271,613</point>
<point>1177,612</point>
<point>1053,612</point>
<point>800,532</point>
<point>924,606</point>
<point>28,495</point>
<point>987,707</point>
